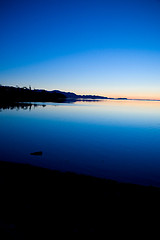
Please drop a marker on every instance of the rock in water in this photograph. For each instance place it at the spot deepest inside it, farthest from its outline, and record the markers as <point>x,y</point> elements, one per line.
<point>36,153</point>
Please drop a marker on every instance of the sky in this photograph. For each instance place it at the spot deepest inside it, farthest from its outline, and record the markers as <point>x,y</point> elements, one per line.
<point>101,47</point>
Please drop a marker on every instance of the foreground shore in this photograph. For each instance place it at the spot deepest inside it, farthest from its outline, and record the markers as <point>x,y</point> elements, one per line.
<point>40,201</point>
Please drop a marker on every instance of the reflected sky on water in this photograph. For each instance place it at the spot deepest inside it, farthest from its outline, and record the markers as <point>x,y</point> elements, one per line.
<point>110,139</point>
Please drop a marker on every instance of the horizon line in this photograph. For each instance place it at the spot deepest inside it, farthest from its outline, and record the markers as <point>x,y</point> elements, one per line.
<point>115,98</point>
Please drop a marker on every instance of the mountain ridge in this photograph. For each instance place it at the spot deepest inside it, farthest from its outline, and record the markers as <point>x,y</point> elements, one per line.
<point>16,94</point>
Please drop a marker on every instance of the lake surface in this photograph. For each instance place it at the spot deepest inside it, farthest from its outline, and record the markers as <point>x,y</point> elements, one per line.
<point>117,140</point>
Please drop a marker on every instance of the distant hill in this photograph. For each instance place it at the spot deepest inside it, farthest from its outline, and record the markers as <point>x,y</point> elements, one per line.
<point>73,95</point>
<point>17,94</point>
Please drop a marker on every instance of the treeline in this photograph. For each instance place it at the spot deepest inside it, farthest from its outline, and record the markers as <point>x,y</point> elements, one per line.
<point>17,94</point>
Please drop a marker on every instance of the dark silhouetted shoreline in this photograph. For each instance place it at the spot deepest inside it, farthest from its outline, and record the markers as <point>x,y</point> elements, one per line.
<point>9,94</point>
<point>16,94</point>
<point>40,202</point>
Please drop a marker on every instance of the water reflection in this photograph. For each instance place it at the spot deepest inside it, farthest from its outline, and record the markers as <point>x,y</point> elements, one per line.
<point>32,105</point>
<point>111,139</point>
<point>18,106</point>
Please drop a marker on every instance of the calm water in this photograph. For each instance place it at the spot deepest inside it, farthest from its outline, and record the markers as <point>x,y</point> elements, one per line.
<point>118,140</point>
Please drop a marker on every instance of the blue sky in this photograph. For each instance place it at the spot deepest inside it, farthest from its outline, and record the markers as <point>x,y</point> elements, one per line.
<point>110,48</point>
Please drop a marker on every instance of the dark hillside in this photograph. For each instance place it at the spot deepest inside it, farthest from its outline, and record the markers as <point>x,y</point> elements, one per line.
<point>13,94</point>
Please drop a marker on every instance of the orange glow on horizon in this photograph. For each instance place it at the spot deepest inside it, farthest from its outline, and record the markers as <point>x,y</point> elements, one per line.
<point>114,94</point>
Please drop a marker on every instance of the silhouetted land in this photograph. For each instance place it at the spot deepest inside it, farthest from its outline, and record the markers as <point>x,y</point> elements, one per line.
<point>17,94</point>
<point>71,95</point>
<point>13,94</point>
<point>42,202</point>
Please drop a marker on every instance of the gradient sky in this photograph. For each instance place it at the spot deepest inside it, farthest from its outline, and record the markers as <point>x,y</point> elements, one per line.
<point>108,47</point>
